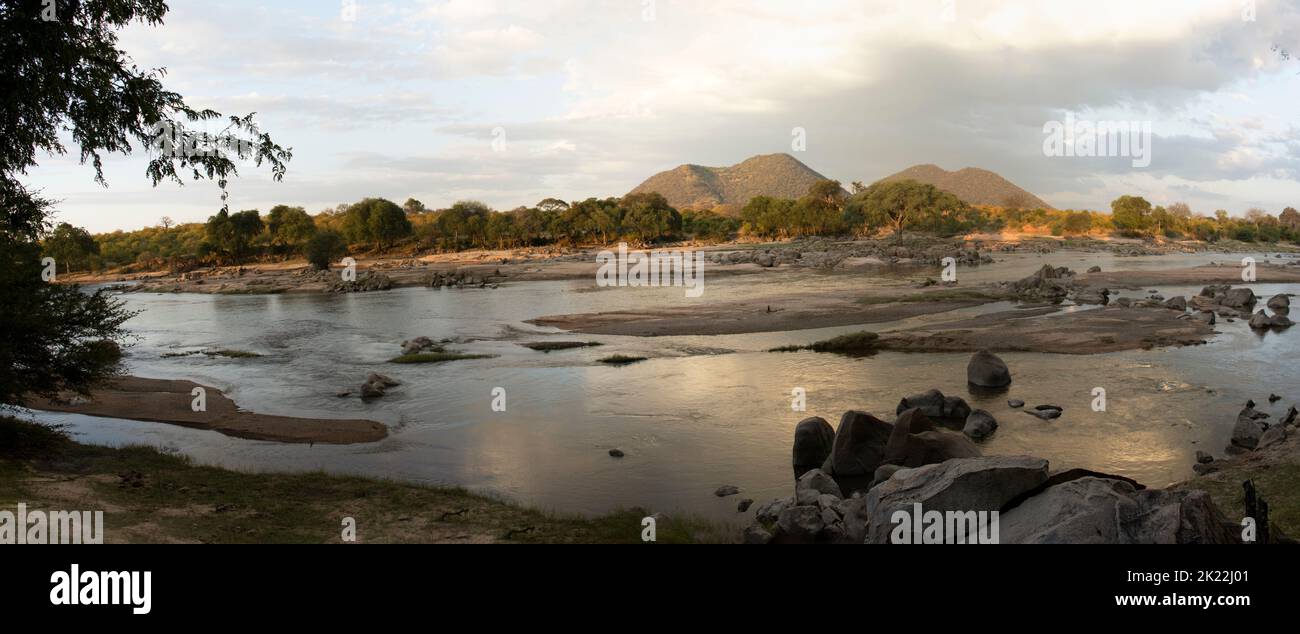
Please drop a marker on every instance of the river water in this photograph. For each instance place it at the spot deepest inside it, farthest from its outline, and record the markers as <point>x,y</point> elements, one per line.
<point>703,412</point>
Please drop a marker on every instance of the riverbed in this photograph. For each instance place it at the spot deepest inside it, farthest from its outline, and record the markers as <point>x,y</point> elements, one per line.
<point>702,412</point>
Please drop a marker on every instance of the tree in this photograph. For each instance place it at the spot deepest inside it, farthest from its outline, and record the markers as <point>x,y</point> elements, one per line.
<point>323,248</point>
<point>1290,218</point>
<point>289,227</point>
<point>387,223</point>
<point>649,216</point>
<point>71,247</point>
<point>1131,214</point>
<point>69,79</point>
<point>899,204</point>
<point>232,235</point>
<point>413,207</point>
<point>166,222</point>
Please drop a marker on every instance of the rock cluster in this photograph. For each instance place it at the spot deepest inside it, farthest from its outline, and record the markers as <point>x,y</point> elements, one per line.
<point>371,281</point>
<point>1049,284</point>
<point>377,385</point>
<point>458,279</point>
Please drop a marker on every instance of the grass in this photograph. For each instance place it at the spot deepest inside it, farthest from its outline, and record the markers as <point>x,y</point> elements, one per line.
<point>1279,485</point>
<point>621,359</point>
<point>864,342</point>
<point>436,357</point>
<point>551,346</point>
<point>154,497</point>
<point>949,295</point>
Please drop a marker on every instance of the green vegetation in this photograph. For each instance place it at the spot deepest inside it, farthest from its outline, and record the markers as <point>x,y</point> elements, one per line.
<point>621,359</point>
<point>1278,484</point>
<point>164,498</point>
<point>68,81</point>
<point>551,346</point>
<point>858,343</point>
<point>436,357</point>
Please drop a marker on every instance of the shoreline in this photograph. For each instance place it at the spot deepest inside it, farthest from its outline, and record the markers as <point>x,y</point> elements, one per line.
<point>169,401</point>
<point>487,268</point>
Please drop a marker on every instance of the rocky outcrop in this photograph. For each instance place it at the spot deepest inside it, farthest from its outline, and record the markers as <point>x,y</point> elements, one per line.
<point>987,370</point>
<point>371,281</point>
<point>1049,284</point>
<point>1106,511</point>
<point>1280,303</point>
<point>950,410</point>
<point>813,441</point>
<point>973,484</point>
<point>916,441</point>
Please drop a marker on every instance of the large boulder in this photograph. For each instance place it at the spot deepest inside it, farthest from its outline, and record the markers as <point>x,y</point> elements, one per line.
<point>1280,302</point>
<point>1239,298</point>
<point>936,406</point>
<point>1105,511</point>
<point>1261,321</point>
<point>813,485</point>
<point>1248,430</point>
<point>980,425</point>
<point>987,370</point>
<point>972,484</point>
<point>1176,303</point>
<point>859,446</point>
<point>813,440</point>
<point>916,441</point>
<point>801,523</point>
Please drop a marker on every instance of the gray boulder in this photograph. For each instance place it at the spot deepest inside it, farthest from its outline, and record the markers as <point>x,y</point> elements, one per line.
<point>936,406</point>
<point>813,441</point>
<point>1176,303</point>
<point>1280,302</point>
<point>1239,298</point>
<point>1261,321</point>
<point>1274,435</point>
<point>859,445</point>
<point>916,441</point>
<point>972,484</point>
<point>980,425</point>
<point>1247,432</point>
<point>987,370</point>
<point>802,523</point>
<point>1207,317</point>
<point>815,484</point>
<point>1105,511</point>
<point>770,511</point>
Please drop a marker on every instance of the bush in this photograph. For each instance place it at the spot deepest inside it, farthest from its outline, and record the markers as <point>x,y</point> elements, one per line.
<point>324,248</point>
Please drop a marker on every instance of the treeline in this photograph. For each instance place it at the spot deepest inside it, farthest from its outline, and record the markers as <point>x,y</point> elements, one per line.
<point>380,225</point>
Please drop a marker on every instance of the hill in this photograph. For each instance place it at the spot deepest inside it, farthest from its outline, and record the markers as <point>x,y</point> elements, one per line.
<point>973,186</point>
<point>699,187</point>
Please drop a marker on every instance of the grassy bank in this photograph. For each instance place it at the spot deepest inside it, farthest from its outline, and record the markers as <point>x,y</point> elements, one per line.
<point>153,497</point>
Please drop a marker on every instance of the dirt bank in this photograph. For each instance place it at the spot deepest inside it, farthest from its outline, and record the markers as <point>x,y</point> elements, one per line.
<point>1228,273</point>
<point>1050,329</point>
<point>169,401</point>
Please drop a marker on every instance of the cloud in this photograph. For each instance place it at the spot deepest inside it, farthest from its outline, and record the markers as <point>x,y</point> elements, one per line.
<point>595,97</point>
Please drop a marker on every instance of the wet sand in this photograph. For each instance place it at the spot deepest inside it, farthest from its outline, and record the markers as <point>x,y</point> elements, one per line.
<point>169,401</point>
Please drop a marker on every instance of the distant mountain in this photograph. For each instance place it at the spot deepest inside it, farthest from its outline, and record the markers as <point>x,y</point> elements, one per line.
<point>973,186</point>
<point>698,187</point>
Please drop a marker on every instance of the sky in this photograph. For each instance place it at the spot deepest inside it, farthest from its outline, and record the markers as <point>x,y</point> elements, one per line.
<point>510,102</point>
